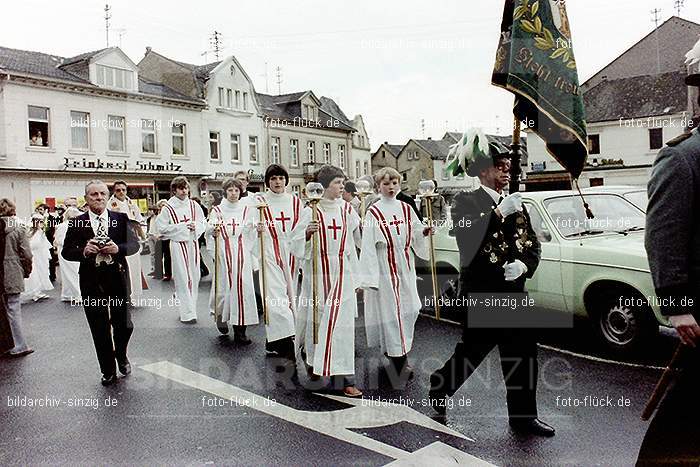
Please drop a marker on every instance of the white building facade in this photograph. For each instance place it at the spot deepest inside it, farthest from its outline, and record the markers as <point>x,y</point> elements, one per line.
<point>66,121</point>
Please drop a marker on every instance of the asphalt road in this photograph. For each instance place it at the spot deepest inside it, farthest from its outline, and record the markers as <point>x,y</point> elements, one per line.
<point>179,405</point>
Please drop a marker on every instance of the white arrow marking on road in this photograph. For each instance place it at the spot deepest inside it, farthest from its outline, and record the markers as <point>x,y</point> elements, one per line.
<point>336,424</point>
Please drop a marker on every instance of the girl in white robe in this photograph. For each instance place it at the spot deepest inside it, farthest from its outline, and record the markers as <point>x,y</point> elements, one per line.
<point>70,282</point>
<point>334,354</point>
<point>38,281</point>
<point>392,234</point>
<point>182,222</point>
<point>232,225</point>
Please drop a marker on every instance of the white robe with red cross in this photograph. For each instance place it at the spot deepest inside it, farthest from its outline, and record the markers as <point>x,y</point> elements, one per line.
<point>233,295</point>
<point>184,250</point>
<point>280,217</point>
<point>336,277</point>
<point>392,234</point>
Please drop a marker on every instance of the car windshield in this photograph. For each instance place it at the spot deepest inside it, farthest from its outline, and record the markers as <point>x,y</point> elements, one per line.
<point>638,198</point>
<point>612,214</point>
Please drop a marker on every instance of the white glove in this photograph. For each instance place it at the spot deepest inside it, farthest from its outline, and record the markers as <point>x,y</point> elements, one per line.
<point>511,204</point>
<point>514,270</point>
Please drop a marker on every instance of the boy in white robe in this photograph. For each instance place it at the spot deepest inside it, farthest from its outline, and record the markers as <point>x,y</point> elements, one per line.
<point>334,354</point>
<point>280,217</point>
<point>119,202</point>
<point>232,226</point>
<point>182,222</point>
<point>392,234</point>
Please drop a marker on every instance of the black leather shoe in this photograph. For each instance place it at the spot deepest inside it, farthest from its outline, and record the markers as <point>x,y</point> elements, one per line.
<point>108,380</point>
<point>223,330</point>
<point>532,426</point>
<point>124,368</point>
<point>438,401</point>
<point>239,336</point>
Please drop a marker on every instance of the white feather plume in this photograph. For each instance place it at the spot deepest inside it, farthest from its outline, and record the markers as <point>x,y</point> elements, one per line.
<point>693,55</point>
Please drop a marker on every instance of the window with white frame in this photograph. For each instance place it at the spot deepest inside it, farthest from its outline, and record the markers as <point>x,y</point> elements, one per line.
<point>296,189</point>
<point>38,124</point>
<point>311,152</point>
<point>253,149</point>
<point>445,173</point>
<point>179,139</point>
<point>341,156</point>
<point>114,77</point>
<point>148,136</point>
<point>214,145</point>
<point>357,169</point>
<point>221,97</point>
<point>238,99</point>
<point>326,153</point>
<point>275,151</point>
<point>80,130</point>
<point>229,98</point>
<point>235,148</point>
<point>116,127</point>
<point>366,167</point>
<point>245,101</point>
<point>294,152</point>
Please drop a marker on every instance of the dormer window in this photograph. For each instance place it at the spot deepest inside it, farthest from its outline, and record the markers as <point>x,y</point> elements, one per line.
<point>309,112</point>
<point>112,77</point>
<point>233,70</point>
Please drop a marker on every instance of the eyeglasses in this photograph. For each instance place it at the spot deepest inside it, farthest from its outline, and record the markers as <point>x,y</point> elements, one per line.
<point>503,166</point>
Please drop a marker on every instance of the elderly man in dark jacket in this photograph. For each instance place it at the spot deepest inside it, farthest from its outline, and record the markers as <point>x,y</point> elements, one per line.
<point>673,247</point>
<point>101,240</point>
<point>498,252</point>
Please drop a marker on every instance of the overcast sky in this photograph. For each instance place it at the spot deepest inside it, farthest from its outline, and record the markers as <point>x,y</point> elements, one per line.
<point>395,62</point>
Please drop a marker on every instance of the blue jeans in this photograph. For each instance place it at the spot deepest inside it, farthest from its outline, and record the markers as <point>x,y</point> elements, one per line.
<point>14,316</point>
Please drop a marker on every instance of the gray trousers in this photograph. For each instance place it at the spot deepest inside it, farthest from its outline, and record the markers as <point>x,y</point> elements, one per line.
<point>14,316</point>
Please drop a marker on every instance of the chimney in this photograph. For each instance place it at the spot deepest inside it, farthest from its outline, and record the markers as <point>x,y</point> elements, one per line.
<point>148,50</point>
<point>430,138</point>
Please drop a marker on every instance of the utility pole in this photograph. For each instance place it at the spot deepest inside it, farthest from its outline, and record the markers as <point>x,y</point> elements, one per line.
<point>279,81</point>
<point>108,15</point>
<point>215,42</point>
<point>422,128</point>
<point>657,15</point>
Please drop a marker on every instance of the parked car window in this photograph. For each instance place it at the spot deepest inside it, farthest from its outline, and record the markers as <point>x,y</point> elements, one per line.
<point>538,224</point>
<point>612,214</point>
<point>638,198</point>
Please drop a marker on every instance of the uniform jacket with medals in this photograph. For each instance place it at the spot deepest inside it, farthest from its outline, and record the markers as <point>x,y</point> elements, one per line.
<point>486,243</point>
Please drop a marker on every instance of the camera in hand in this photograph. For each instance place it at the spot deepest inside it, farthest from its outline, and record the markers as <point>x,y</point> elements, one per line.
<point>101,241</point>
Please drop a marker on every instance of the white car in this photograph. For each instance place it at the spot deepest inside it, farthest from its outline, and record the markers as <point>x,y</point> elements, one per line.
<point>596,268</point>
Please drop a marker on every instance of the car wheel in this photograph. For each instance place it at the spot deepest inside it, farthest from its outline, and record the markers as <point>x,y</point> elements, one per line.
<point>621,328</point>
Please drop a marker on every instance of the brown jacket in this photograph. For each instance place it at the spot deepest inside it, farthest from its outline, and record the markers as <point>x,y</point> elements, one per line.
<point>18,256</point>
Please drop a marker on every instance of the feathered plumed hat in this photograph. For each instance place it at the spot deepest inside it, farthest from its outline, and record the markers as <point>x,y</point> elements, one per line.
<point>474,152</point>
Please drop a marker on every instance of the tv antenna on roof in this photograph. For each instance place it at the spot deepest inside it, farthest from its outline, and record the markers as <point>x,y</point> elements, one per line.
<point>108,15</point>
<point>678,5</point>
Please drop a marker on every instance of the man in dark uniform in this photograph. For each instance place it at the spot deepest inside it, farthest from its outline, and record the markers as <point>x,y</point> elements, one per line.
<point>498,252</point>
<point>673,248</point>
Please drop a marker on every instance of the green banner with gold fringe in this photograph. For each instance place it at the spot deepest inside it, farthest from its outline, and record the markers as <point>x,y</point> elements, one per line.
<point>535,61</point>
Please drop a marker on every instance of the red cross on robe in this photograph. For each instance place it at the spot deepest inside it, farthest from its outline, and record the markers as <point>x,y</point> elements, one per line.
<point>335,227</point>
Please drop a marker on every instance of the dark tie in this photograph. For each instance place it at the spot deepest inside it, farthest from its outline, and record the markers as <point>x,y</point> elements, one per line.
<point>500,199</point>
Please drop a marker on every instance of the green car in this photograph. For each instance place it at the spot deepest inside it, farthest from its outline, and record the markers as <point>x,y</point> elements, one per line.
<point>596,268</point>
